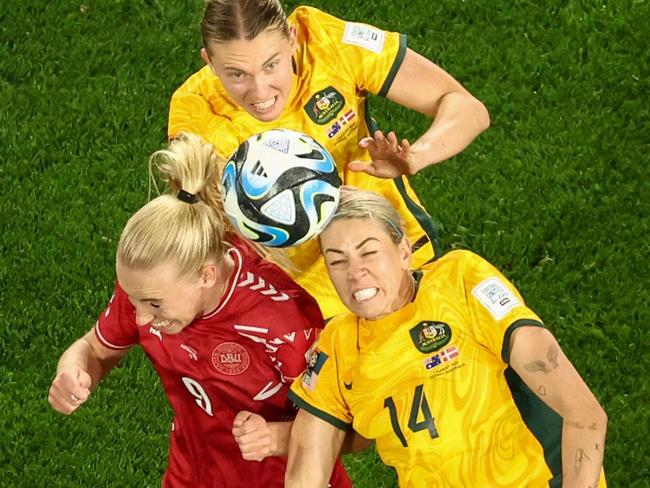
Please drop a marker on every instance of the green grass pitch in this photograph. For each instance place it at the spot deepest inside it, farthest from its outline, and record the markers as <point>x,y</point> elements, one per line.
<point>556,194</point>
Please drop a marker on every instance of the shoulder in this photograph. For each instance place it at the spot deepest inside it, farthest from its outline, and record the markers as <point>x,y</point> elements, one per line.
<point>197,84</point>
<point>310,16</point>
<point>459,259</point>
<point>270,289</point>
<point>314,25</point>
<point>340,329</point>
<point>451,273</point>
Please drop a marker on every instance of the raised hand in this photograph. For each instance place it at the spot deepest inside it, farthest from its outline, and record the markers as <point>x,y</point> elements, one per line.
<point>390,158</point>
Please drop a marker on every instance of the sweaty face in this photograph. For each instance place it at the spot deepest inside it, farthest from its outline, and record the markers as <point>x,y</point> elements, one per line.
<point>161,299</point>
<point>368,270</point>
<point>257,73</point>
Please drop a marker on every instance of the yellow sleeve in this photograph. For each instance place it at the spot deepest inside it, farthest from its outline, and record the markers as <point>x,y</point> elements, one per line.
<point>190,111</point>
<point>495,305</point>
<point>318,390</point>
<point>368,55</point>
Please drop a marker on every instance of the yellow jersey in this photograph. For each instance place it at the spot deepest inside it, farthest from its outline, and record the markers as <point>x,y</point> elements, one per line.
<point>432,385</point>
<point>336,64</point>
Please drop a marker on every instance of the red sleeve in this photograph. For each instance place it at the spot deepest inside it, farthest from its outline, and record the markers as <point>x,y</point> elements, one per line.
<point>289,350</point>
<point>116,327</point>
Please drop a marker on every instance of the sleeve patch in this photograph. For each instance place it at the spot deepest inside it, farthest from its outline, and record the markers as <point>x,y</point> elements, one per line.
<point>310,376</point>
<point>364,36</point>
<point>496,297</point>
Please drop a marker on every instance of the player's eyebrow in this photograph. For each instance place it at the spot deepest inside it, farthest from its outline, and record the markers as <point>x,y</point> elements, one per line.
<point>236,68</point>
<point>358,246</point>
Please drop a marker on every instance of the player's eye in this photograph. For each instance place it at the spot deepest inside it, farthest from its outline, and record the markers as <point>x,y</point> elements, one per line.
<point>237,75</point>
<point>155,305</point>
<point>271,66</point>
<point>335,263</point>
<point>368,254</point>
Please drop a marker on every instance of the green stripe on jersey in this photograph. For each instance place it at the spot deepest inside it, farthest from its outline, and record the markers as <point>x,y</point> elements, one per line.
<point>401,52</point>
<point>330,419</point>
<point>541,420</point>
<point>423,218</point>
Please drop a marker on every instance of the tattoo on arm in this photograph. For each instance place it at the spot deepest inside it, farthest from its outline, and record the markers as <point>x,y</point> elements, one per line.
<point>538,365</point>
<point>577,425</point>
<point>552,355</point>
<point>579,459</point>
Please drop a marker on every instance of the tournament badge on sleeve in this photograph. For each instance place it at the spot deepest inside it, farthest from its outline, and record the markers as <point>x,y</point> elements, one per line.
<point>316,362</point>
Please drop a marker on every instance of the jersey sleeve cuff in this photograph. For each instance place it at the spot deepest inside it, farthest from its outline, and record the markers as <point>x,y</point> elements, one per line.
<point>401,52</point>
<point>106,343</point>
<point>505,347</point>
<point>330,419</point>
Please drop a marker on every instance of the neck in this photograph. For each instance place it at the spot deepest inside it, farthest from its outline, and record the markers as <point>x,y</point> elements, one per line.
<point>406,292</point>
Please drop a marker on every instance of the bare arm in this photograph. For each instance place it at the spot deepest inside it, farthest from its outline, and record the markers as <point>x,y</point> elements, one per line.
<point>538,360</point>
<point>313,449</point>
<point>80,369</point>
<point>258,438</point>
<point>458,118</point>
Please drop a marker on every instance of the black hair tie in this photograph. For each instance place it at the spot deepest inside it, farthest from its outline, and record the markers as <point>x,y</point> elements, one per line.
<point>187,197</point>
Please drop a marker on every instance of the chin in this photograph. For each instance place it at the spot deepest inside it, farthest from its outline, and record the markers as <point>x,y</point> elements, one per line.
<point>267,117</point>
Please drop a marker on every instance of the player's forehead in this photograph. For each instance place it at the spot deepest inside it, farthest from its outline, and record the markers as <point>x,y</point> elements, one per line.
<point>353,233</point>
<point>157,282</point>
<point>249,53</point>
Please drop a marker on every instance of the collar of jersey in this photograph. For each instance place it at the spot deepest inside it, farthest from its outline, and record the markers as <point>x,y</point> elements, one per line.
<point>370,329</point>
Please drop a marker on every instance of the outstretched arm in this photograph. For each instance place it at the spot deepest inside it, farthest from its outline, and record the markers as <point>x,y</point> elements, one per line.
<point>537,358</point>
<point>458,118</point>
<point>80,369</point>
<point>313,449</point>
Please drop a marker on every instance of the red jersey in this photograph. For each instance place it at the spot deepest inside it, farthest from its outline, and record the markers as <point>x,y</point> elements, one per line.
<point>240,356</point>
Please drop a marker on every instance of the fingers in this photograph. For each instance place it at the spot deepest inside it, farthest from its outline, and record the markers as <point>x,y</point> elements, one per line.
<point>69,390</point>
<point>379,142</point>
<point>253,436</point>
<point>240,418</point>
<point>362,166</point>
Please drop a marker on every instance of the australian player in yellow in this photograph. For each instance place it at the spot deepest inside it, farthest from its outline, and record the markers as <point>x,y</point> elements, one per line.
<point>456,379</point>
<point>311,72</point>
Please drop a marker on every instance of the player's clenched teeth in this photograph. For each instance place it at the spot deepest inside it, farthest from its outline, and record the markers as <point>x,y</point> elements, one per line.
<point>265,104</point>
<point>365,294</point>
<point>162,324</point>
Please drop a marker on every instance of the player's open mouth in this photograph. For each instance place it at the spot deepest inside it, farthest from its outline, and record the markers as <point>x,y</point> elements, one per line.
<point>364,294</point>
<point>162,324</point>
<point>265,105</point>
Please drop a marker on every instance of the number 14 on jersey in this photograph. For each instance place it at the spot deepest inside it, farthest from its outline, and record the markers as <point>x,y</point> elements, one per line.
<point>419,404</point>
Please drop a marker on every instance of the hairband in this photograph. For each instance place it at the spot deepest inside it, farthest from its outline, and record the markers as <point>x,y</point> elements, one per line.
<point>187,197</point>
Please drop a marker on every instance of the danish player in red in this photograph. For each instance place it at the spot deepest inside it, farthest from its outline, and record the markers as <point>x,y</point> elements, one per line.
<point>226,330</point>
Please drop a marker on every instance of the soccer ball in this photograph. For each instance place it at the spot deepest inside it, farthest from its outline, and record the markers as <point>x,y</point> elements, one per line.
<point>280,188</point>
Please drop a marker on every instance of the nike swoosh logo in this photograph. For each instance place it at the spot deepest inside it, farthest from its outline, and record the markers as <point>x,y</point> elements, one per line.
<point>348,386</point>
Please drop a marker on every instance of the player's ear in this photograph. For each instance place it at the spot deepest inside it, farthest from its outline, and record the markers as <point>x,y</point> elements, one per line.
<point>206,59</point>
<point>405,253</point>
<point>293,39</point>
<point>208,276</point>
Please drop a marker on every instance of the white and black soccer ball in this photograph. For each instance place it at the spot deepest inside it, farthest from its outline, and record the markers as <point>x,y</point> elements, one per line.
<point>280,188</point>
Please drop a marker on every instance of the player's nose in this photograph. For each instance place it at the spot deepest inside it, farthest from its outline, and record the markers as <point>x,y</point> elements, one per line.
<point>142,317</point>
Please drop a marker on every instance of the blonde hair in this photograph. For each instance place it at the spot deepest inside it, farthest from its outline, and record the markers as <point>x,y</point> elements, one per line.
<point>365,205</point>
<point>169,228</point>
<point>227,20</point>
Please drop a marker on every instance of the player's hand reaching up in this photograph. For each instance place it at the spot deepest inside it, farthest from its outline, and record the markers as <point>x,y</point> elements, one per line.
<point>390,158</point>
<point>70,388</point>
